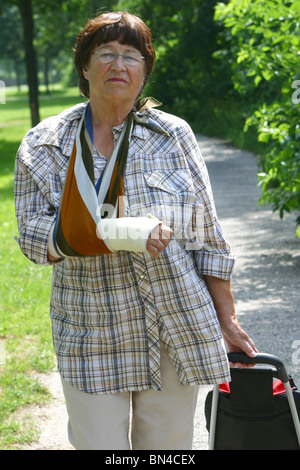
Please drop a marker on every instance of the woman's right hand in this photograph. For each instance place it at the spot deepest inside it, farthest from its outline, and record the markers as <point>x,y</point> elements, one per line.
<point>159,239</point>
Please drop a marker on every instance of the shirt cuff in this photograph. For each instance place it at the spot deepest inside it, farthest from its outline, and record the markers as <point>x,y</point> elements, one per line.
<point>219,265</point>
<point>51,247</point>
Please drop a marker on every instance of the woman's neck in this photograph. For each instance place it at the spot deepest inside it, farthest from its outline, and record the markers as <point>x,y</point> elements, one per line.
<point>104,118</point>
<point>109,115</point>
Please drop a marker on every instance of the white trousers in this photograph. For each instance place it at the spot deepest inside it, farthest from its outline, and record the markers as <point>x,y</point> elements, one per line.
<point>148,420</point>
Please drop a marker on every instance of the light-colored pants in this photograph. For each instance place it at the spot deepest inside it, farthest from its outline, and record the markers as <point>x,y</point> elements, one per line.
<point>161,420</point>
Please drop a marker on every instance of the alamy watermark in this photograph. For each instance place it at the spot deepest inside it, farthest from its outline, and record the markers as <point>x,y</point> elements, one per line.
<point>2,92</point>
<point>186,221</point>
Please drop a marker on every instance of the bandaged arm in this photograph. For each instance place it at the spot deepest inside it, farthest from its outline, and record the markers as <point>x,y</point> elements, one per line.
<point>124,233</point>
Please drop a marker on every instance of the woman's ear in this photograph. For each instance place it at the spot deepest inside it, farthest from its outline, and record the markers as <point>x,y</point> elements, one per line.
<point>85,71</point>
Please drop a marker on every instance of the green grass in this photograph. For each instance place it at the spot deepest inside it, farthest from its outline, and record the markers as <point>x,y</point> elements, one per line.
<point>25,330</point>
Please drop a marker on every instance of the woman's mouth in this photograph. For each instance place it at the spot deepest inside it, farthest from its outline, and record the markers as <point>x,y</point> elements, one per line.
<point>117,80</point>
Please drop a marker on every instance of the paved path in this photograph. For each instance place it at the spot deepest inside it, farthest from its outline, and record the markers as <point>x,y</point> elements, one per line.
<point>265,282</point>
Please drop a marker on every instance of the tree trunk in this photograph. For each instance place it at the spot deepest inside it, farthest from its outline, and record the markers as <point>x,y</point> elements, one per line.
<point>17,72</point>
<point>25,8</point>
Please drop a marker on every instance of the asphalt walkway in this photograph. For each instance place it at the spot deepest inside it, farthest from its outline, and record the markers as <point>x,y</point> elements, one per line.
<point>266,280</point>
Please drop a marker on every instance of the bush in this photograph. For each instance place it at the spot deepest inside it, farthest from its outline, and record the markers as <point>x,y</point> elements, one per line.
<point>264,48</point>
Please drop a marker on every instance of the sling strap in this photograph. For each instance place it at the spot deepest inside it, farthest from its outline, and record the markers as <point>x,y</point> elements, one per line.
<point>79,228</point>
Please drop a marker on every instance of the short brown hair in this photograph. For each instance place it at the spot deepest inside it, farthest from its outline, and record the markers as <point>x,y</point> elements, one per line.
<point>116,26</point>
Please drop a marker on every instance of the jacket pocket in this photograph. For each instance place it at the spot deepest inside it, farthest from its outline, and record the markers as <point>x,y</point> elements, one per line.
<point>173,200</point>
<point>172,182</point>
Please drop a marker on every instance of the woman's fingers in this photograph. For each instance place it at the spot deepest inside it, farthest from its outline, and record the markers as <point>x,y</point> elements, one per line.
<point>159,239</point>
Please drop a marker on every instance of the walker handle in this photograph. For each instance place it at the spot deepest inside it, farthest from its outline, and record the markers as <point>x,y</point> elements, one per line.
<point>261,358</point>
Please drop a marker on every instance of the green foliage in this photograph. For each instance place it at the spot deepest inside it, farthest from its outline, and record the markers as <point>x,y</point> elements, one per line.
<point>185,78</point>
<point>280,175</point>
<point>19,390</point>
<point>25,328</point>
<point>264,40</point>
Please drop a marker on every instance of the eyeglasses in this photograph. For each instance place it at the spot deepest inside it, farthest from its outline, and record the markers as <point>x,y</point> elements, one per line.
<point>109,57</point>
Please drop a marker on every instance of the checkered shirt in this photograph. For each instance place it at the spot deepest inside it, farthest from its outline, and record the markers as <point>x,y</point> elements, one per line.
<point>111,313</point>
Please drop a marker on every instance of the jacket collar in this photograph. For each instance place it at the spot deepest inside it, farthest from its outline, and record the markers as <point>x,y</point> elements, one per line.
<point>60,131</point>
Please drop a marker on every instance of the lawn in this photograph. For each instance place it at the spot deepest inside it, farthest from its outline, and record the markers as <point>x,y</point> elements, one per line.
<point>25,330</point>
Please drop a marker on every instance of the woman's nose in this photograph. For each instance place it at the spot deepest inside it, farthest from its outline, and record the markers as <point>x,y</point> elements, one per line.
<point>119,62</point>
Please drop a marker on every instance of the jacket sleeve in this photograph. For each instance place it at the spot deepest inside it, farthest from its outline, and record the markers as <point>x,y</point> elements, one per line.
<point>34,211</point>
<point>212,253</point>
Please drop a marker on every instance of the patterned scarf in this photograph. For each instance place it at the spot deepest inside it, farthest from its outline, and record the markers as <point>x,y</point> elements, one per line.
<point>78,230</point>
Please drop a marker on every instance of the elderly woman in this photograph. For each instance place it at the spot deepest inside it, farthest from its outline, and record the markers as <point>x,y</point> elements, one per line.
<point>115,194</point>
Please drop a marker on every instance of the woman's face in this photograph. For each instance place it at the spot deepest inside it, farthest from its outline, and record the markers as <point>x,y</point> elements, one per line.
<point>115,81</point>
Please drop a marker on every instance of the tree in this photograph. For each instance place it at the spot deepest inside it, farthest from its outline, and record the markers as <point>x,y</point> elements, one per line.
<point>10,43</point>
<point>265,44</point>
<point>26,14</point>
<point>186,78</point>
<point>52,14</point>
<point>25,8</point>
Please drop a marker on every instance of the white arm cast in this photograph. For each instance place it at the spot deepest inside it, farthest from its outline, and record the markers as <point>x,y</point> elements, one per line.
<point>129,233</point>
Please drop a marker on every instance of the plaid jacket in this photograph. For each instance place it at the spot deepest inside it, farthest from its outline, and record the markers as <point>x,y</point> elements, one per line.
<point>110,313</point>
